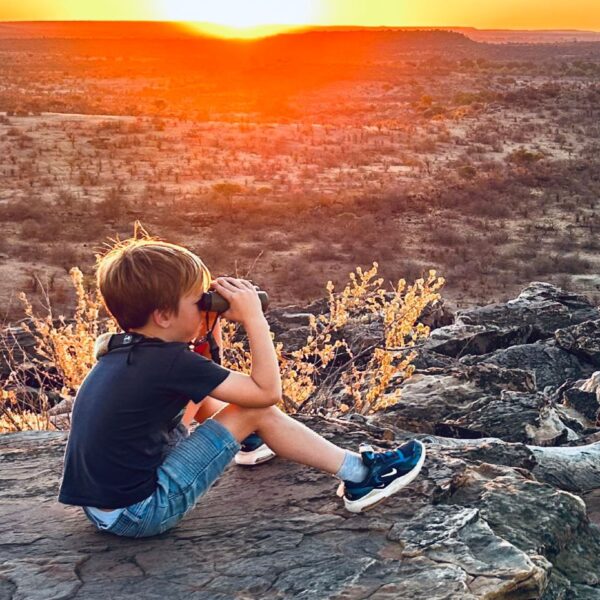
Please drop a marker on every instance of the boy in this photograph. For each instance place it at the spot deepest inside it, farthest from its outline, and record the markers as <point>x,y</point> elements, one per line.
<point>129,461</point>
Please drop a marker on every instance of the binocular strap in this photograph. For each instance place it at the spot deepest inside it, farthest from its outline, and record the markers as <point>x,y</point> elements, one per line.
<point>210,341</point>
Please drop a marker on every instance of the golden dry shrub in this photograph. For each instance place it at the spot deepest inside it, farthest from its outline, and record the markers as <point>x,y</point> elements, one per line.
<point>366,389</point>
<point>295,375</point>
<point>69,346</point>
<point>369,387</point>
<point>235,354</point>
<point>15,418</point>
<point>301,369</point>
<point>24,403</point>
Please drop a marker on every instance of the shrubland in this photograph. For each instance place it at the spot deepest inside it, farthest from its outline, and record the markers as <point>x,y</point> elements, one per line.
<point>64,351</point>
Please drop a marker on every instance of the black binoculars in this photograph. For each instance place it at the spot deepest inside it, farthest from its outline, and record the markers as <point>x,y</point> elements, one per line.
<point>214,302</point>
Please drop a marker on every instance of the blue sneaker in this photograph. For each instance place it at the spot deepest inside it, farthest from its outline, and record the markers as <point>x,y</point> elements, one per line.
<point>388,472</point>
<point>253,451</point>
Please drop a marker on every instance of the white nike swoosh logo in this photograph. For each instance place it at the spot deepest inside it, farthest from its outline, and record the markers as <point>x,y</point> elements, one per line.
<point>392,472</point>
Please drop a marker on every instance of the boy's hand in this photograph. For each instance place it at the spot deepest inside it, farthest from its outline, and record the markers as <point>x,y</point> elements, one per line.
<point>244,302</point>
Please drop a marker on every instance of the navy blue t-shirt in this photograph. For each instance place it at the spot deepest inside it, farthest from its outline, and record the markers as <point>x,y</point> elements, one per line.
<point>121,418</point>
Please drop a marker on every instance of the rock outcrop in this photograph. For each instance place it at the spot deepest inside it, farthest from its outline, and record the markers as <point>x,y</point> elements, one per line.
<point>516,371</point>
<point>507,506</point>
<point>487,519</point>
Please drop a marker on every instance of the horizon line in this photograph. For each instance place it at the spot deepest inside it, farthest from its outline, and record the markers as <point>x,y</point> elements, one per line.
<point>303,26</point>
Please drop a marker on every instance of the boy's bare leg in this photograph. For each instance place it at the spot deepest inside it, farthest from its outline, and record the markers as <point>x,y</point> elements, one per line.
<point>188,415</point>
<point>286,437</point>
<point>200,412</point>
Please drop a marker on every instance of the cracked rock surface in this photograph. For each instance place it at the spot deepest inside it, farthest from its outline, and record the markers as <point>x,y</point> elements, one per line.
<point>476,524</point>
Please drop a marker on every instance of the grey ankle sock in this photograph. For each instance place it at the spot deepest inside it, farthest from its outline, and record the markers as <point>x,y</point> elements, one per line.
<point>353,468</point>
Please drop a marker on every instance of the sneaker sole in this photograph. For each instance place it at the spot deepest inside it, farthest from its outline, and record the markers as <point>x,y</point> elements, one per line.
<point>372,499</point>
<point>260,455</point>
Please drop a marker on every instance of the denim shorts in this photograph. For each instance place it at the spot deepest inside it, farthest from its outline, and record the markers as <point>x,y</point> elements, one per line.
<point>192,465</point>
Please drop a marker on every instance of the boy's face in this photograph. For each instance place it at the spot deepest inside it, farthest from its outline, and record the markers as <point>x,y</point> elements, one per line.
<point>187,324</point>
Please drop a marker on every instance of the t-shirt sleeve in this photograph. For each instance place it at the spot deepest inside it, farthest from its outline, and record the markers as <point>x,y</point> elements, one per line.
<point>195,376</point>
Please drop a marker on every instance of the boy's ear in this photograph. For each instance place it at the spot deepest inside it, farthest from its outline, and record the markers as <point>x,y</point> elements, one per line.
<point>161,318</point>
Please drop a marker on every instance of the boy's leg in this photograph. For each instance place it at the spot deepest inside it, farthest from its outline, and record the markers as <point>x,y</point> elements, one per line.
<point>288,438</point>
<point>188,471</point>
<point>200,412</point>
<point>253,452</point>
<point>367,479</point>
<point>193,466</point>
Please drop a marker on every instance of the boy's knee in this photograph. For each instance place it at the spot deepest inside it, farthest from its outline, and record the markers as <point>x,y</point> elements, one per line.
<point>260,414</point>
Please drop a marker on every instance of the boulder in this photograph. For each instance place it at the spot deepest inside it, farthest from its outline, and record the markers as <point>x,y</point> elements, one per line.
<point>550,365</point>
<point>574,468</point>
<point>17,347</point>
<point>293,338</point>
<point>460,540</point>
<point>428,359</point>
<point>487,487</point>
<point>514,417</point>
<point>361,334</point>
<point>584,402</point>
<point>575,421</point>
<point>535,314</point>
<point>542,305</point>
<point>439,402</point>
<point>437,315</point>
<point>486,450</point>
<point>582,340</point>
<point>460,339</point>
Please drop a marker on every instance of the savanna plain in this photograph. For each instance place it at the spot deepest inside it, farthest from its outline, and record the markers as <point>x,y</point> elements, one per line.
<point>294,159</point>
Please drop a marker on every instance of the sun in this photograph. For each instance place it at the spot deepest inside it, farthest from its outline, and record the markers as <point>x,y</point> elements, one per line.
<point>239,18</point>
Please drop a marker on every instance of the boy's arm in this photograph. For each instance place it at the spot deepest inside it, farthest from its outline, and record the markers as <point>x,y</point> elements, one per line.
<point>263,386</point>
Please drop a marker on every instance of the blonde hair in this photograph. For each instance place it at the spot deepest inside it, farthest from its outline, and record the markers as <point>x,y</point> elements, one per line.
<point>138,276</point>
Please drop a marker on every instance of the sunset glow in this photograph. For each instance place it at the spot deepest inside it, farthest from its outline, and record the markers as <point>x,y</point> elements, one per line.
<point>236,32</point>
<point>239,18</point>
<point>252,18</point>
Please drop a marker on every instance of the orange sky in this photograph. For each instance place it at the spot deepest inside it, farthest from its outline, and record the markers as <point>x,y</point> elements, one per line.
<point>485,14</point>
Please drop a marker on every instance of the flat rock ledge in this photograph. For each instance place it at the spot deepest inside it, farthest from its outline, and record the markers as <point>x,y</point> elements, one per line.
<point>478,523</point>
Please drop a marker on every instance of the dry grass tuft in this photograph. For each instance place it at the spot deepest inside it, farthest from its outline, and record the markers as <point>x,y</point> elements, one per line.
<point>69,347</point>
<point>67,354</point>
